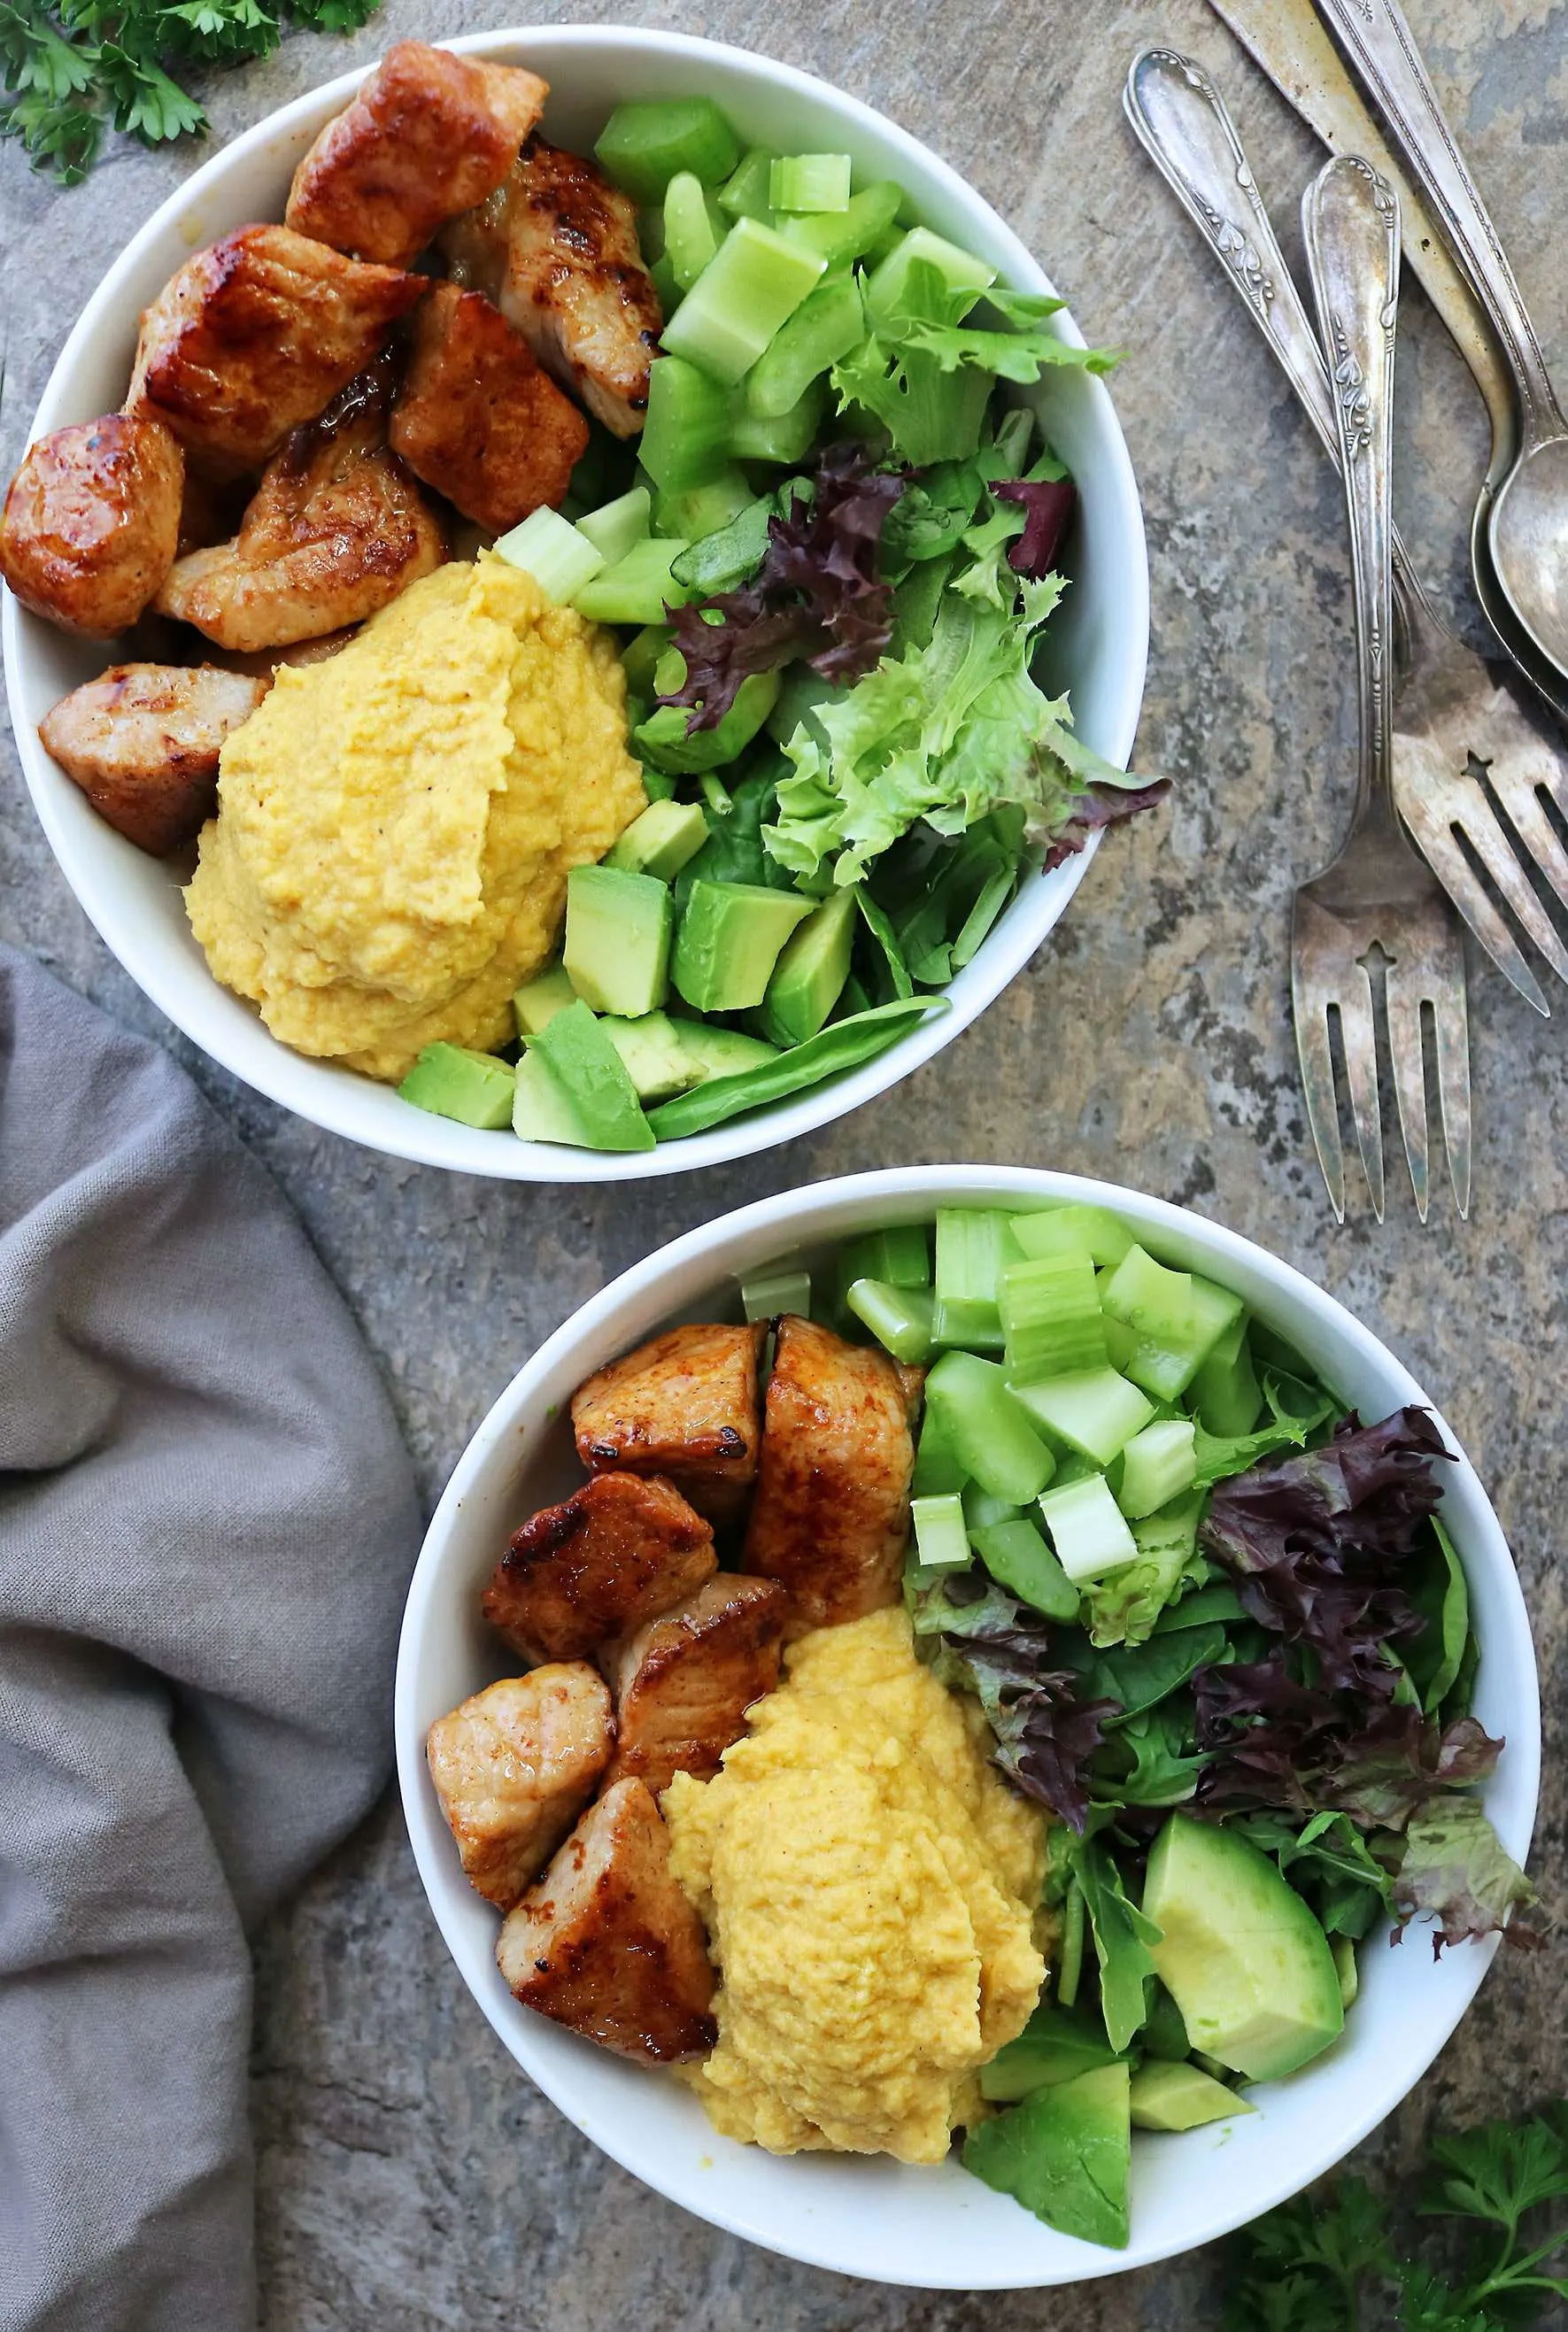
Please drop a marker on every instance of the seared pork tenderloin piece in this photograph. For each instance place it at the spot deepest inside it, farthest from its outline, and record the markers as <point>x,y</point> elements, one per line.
<point>478,419</point>
<point>337,529</point>
<point>830,1519</point>
<point>686,1406</point>
<point>556,248</point>
<point>579,1576</point>
<point>254,335</point>
<point>513,1768</point>
<point>685,1682</point>
<point>91,522</point>
<point>143,742</point>
<point>607,1943</point>
<point>429,134</point>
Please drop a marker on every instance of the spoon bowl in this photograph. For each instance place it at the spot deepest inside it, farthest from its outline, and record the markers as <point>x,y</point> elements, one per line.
<point>1527,535</point>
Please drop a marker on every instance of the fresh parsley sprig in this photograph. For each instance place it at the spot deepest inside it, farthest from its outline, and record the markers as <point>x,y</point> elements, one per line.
<point>71,71</point>
<point>1330,2264</point>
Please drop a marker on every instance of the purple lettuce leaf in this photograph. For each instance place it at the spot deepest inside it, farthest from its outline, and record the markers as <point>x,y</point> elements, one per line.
<point>1454,1870</point>
<point>1047,505</point>
<point>1099,805</point>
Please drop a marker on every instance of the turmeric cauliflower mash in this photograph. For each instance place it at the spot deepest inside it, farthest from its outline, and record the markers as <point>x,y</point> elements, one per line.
<point>396,825</point>
<point>869,1884</point>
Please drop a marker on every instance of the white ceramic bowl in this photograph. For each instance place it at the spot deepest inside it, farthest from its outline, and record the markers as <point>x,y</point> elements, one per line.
<point>874,2217</point>
<point>1099,642</point>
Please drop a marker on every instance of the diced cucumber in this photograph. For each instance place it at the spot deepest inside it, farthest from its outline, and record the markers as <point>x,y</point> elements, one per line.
<point>940,1533</point>
<point>1095,1412</point>
<point>667,738</point>
<point>745,193</point>
<point>887,286</point>
<point>558,556</point>
<point>694,227</point>
<point>1088,1528</point>
<point>1052,1324</point>
<point>1075,1230</point>
<point>726,556</point>
<point>1019,1558</point>
<point>543,1109</point>
<point>686,432</point>
<point>615,527</point>
<point>784,438</point>
<point>988,1433</point>
<point>588,1067</point>
<point>753,282</point>
<point>828,323</point>
<point>779,1291</point>
<point>472,1089</point>
<point>898,1317</point>
<point>619,930</point>
<point>538,1000</point>
<point>840,237</point>
<point>1157,1464</point>
<point>636,590</point>
<point>645,143</point>
<point>702,512</point>
<point>810,182</point>
<point>666,838</point>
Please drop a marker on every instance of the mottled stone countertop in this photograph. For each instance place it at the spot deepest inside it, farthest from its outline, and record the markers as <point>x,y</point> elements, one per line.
<point>410,2177</point>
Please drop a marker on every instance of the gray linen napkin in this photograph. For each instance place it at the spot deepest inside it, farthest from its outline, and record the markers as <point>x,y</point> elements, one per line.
<point>206,1524</point>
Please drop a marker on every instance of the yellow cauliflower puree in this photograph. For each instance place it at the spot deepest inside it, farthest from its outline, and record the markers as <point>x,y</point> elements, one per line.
<point>395,825</point>
<point>868,1883</point>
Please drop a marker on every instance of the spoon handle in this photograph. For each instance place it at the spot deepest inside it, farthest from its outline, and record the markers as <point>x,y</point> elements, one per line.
<point>1351,220</point>
<point>1380,44</point>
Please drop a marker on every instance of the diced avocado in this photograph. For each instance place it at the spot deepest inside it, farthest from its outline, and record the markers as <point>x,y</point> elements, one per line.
<point>618,928</point>
<point>1179,2097</point>
<point>728,941</point>
<point>543,1110</point>
<point>538,1000</point>
<point>450,1081</point>
<point>665,739</point>
<point>719,1052</point>
<point>1240,1954</point>
<point>808,977</point>
<point>1054,2047</point>
<point>662,840</point>
<point>1344,1960</point>
<point>1066,2154</point>
<point>591,1071</point>
<point>656,1061</point>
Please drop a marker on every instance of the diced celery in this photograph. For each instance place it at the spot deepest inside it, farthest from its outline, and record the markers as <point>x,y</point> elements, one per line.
<point>1157,1464</point>
<point>643,144</point>
<point>940,1533</point>
<point>810,182</point>
<point>539,999</point>
<point>1121,1343</point>
<point>839,237</point>
<point>560,558</point>
<point>636,590</point>
<point>1087,1529</point>
<point>779,1291</point>
<point>666,738</point>
<point>901,1255</point>
<point>727,555</point>
<point>613,526</point>
<point>686,436</point>
<point>985,1429</point>
<point>974,1245</point>
<point>898,1317</point>
<point>753,284</point>
<point>1096,1412</point>
<point>1052,1324</point>
<point>829,323</point>
<point>1225,1393</point>
<point>1075,1467</point>
<point>937,1466</point>
<point>664,839</point>
<point>1075,1230</point>
<point>745,193</point>
<point>694,227</point>
<point>703,511</point>
<point>1176,1318</point>
<point>785,437</point>
<point>959,270</point>
<point>1019,1558</point>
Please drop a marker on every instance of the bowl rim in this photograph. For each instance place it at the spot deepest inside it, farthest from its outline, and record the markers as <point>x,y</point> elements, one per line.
<point>798,1217</point>
<point>334,1098</point>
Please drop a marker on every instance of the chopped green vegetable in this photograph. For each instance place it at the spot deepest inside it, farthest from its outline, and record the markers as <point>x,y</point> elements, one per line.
<point>888,289</point>
<point>977,1417</point>
<point>1019,1558</point>
<point>636,590</point>
<point>561,560</point>
<point>779,1291</point>
<point>685,436</point>
<point>1093,1231</point>
<point>898,1317</point>
<point>755,280</point>
<point>473,1087</point>
<point>1157,1464</point>
<point>839,237</point>
<point>843,1045</point>
<point>829,321</point>
<point>615,527</point>
<point>810,182</point>
<point>1087,1529</point>
<point>541,999</point>
<point>745,193</point>
<point>591,1074</point>
<point>974,1246</point>
<point>619,930</point>
<point>1094,1411</point>
<point>730,938</point>
<point>784,438</point>
<point>940,1533</point>
<point>1065,2154</point>
<point>1051,1321</point>
<point>694,227</point>
<point>726,556</point>
<point>703,511</point>
<point>668,738</point>
<point>644,144</point>
<point>664,838</point>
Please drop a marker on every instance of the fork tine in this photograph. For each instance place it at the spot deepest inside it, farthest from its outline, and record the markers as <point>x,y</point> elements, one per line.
<point>1309,1008</point>
<point>1433,836</point>
<point>1404,990</point>
<point>1501,862</point>
<point>1358,1035</point>
<point>1450,1022</point>
<point>1515,789</point>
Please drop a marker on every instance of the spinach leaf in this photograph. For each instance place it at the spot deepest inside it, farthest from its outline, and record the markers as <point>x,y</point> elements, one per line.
<point>1121,1939</point>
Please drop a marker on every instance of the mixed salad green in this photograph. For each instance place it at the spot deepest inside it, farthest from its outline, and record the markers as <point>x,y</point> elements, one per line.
<point>1218,1630</point>
<point>830,569</point>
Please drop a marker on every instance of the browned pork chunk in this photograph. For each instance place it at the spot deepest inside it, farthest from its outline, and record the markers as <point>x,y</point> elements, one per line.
<point>584,1573</point>
<point>607,1943</point>
<point>685,1405</point>
<point>685,1682</point>
<point>257,334</point>
<point>337,529</point>
<point>556,248</point>
<point>478,419</point>
<point>91,522</point>
<point>429,134</point>
<point>830,1519</point>
<point>143,742</point>
<point>513,1768</point>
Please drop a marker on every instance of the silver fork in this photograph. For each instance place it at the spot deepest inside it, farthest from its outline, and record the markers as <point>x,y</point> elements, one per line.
<point>1377,898</point>
<point>1449,713</point>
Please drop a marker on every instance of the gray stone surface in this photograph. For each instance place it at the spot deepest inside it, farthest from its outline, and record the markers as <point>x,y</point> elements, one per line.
<point>410,2178</point>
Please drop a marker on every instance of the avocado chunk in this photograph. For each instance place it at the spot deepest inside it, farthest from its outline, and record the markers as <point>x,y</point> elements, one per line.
<point>594,1079</point>
<point>1055,2045</point>
<point>666,738</point>
<point>662,840</point>
<point>543,1110</point>
<point>1164,2034</point>
<point>1179,2097</point>
<point>808,977</point>
<point>451,1081</point>
<point>1240,1954</point>
<point>618,928</point>
<point>656,1061</point>
<point>717,1052</point>
<point>1066,2154</point>
<point>538,1000</point>
<point>728,941</point>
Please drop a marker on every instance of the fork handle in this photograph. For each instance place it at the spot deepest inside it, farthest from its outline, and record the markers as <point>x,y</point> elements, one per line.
<point>1351,221</point>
